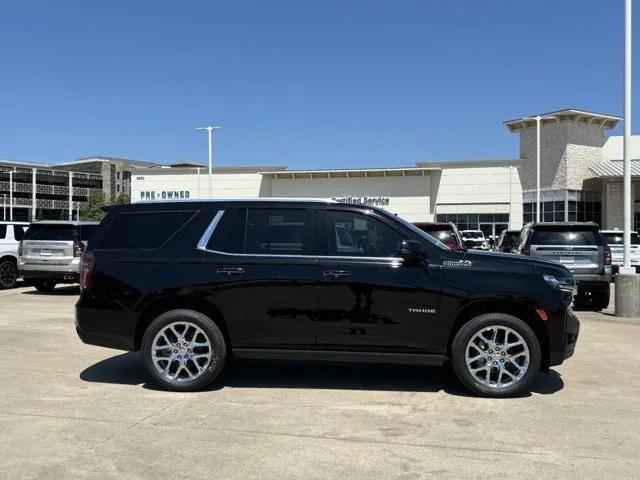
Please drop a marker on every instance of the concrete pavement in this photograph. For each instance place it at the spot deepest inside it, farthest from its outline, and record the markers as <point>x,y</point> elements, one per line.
<point>69,410</point>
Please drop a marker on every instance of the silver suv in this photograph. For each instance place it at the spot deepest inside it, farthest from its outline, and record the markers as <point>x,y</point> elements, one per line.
<point>614,240</point>
<point>50,252</point>
<point>581,248</point>
<point>10,235</point>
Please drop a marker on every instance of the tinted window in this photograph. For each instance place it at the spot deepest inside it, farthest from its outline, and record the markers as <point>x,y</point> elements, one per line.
<point>86,231</point>
<point>446,236</point>
<point>565,236</point>
<point>18,232</point>
<point>50,232</point>
<point>3,232</point>
<point>229,234</point>
<point>356,234</point>
<point>275,231</point>
<point>142,230</point>
<point>616,238</point>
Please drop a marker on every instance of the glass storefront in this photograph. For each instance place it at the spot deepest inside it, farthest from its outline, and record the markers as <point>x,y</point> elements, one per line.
<point>563,205</point>
<point>491,224</point>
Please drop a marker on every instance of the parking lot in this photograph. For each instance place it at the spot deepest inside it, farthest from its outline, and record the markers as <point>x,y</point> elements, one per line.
<point>69,410</point>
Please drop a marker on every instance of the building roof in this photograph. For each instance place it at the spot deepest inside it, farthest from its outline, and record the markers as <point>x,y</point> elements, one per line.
<point>24,164</point>
<point>614,168</point>
<point>583,116</point>
<point>351,173</point>
<point>186,163</point>
<point>167,170</point>
<point>470,163</point>
<point>99,158</point>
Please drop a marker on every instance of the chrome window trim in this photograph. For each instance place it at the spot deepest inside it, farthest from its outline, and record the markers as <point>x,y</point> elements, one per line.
<point>206,236</point>
<point>204,240</point>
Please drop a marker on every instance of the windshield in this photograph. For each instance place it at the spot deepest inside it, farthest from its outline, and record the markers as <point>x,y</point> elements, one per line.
<point>50,232</point>
<point>470,234</point>
<point>566,236</point>
<point>615,238</point>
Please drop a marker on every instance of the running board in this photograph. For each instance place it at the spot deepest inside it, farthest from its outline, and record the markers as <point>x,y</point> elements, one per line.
<point>340,356</point>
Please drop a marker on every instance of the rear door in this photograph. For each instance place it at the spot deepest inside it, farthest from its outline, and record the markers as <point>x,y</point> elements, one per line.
<point>579,248</point>
<point>261,268</point>
<point>49,244</point>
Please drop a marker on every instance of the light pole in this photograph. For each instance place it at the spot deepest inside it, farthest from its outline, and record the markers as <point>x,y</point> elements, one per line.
<point>210,130</point>
<point>538,119</point>
<point>627,282</point>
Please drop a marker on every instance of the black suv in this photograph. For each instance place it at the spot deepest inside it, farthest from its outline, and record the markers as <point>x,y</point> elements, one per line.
<point>191,284</point>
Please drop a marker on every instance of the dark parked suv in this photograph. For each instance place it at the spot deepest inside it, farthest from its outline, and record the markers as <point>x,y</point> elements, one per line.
<point>192,284</point>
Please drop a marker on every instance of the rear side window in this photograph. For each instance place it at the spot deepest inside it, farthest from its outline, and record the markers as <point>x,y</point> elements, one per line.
<point>229,234</point>
<point>142,230</point>
<point>275,232</point>
<point>51,232</point>
<point>3,232</point>
<point>566,236</point>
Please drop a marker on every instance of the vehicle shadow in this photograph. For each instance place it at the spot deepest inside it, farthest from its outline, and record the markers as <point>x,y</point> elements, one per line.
<point>127,369</point>
<point>66,290</point>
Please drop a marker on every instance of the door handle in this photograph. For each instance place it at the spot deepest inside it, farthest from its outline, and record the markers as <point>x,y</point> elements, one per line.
<point>230,270</point>
<point>336,273</point>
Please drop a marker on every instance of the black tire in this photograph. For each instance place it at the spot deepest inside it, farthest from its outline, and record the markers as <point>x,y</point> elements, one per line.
<point>44,285</point>
<point>465,334</point>
<point>600,299</point>
<point>214,336</point>
<point>8,273</point>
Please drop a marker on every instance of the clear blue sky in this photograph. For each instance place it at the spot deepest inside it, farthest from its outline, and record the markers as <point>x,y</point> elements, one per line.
<point>308,84</point>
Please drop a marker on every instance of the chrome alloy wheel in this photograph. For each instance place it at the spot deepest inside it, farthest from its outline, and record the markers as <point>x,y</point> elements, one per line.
<point>181,352</point>
<point>8,274</point>
<point>497,357</point>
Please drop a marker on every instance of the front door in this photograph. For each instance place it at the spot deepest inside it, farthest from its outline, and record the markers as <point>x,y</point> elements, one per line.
<point>367,298</point>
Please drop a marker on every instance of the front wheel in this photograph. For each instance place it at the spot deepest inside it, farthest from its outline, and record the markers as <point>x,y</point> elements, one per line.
<point>183,350</point>
<point>496,355</point>
<point>8,274</point>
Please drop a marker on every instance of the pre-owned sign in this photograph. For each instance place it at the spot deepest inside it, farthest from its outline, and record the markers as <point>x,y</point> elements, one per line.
<point>164,194</point>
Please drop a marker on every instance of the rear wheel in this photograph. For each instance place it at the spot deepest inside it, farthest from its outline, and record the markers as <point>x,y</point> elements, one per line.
<point>183,350</point>
<point>8,273</point>
<point>44,285</point>
<point>496,355</point>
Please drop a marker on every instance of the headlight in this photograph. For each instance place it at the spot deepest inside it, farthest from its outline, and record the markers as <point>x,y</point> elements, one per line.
<point>564,284</point>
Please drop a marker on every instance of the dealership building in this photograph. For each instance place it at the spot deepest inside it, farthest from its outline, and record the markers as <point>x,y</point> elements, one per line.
<point>581,180</point>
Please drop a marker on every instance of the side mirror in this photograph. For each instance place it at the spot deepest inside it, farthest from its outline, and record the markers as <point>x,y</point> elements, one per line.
<point>412,251</point>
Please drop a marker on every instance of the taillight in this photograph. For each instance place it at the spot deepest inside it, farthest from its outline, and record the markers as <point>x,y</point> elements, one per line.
<point>86,269</point>
<point>20,249</point>
<point>607,255</point>
<point>78,248</point>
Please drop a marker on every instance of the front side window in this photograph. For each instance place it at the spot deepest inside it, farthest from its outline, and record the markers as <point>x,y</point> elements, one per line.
<point>275,232</point>
<point>360,235</point>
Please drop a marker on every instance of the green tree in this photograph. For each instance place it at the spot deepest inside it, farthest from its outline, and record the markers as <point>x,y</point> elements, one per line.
<point>92,208</point>
<point>123,199</point>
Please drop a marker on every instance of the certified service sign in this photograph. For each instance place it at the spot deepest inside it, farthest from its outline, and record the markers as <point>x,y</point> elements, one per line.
<point>377,201</point>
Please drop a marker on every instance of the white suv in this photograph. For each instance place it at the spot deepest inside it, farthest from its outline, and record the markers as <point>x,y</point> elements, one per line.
<point>10,235</point>
<point>614,240</point>
<point>474,239</point>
